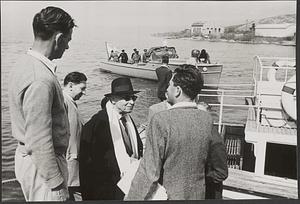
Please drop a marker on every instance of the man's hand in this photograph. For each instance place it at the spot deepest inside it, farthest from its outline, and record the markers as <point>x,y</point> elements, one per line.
<point>60,192</point>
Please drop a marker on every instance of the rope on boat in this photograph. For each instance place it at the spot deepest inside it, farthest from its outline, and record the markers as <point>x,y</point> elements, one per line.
<point>9,180</point>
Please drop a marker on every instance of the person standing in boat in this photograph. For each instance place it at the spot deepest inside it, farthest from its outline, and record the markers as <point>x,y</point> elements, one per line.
<point>38,115</point>
<point>204,57</point>
<point>123,56</point>
<point>145,57</point>
<point>164,74</point>
<point>74,88</point>
<point>165,51</point>
<point>134,52</point>
<point>110,145</point>
<point>193,60</point>
<point>136,57</point>
<point>180,142</point>
<point>113,56</point>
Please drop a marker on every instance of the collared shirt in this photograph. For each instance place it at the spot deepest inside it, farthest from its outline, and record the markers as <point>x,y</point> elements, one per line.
<point>184,104</point>
<point>43,59</point>
<point>130,132</point>
<point>70,98</point>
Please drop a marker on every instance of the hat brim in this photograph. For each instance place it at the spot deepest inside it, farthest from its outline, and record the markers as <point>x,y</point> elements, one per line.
<point>121,93</point>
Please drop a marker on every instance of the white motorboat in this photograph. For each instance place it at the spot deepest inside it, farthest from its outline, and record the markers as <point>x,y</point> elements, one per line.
<point>211,72</point>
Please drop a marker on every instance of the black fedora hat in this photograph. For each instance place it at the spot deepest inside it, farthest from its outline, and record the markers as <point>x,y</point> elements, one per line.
<point>121,86</point>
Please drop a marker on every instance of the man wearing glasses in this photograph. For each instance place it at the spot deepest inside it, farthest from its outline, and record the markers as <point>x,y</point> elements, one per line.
<point>110,145</point>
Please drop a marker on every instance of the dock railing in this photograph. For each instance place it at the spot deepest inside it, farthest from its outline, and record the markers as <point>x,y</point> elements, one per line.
<point>284,68</point>
<point>233,143</point>
<point>222,93</point>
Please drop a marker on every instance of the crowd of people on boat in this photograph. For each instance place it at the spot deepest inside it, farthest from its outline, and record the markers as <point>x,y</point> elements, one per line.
<point>196,56</point>
<point>60,158</point>
<point>135,57</point>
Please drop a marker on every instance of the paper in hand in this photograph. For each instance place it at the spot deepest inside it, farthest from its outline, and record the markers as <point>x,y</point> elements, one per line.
<point>125,182</point>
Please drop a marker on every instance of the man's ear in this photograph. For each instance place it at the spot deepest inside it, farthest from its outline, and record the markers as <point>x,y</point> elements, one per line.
<point>57,36</point>
<point>70,84</point>
<point>178,91</point>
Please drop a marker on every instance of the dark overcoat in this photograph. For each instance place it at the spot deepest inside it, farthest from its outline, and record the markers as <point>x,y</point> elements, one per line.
<point>98,168</point>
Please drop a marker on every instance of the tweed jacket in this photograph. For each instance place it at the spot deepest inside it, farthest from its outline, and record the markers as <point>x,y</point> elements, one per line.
<point>98,168</point>
<point>38,115</point>
<point>155,108</point>
<point>180,141</point>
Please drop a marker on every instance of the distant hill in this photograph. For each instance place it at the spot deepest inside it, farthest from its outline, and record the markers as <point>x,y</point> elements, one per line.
<point>180,34</point>
<point>289,18</point>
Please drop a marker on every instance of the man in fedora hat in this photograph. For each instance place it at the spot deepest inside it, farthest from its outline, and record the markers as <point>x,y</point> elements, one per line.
<point>110,145</point>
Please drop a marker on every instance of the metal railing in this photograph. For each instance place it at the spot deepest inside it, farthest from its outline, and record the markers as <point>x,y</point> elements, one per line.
<point>223,95</point>
<point>259,66</point>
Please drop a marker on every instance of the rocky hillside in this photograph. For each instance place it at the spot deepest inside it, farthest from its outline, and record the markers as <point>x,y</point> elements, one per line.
<point>180,34</point>
<point>289,18</point>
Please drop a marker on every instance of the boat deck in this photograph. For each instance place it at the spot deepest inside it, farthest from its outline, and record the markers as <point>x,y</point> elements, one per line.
<point>253,186</point>
<point>260,135</point>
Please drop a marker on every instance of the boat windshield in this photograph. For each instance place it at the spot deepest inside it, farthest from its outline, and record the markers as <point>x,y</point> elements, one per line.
<point>156,53</point>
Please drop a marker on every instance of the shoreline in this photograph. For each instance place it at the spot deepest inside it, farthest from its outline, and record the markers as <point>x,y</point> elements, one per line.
<point>282,43</point>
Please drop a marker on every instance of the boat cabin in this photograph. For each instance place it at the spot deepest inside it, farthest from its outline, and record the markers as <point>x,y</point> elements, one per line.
<point>155,53</point>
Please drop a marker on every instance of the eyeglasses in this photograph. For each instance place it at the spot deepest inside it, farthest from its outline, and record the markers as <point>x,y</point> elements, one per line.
<point>129,97</point>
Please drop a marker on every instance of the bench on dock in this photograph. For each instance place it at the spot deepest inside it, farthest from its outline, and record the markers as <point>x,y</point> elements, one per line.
<point>244,184</point>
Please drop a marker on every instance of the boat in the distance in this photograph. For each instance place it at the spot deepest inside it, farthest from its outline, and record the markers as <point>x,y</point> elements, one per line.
<point>211,72</point>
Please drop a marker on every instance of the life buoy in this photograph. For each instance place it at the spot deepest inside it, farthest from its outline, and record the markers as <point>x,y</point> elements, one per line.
<point>288,97</point>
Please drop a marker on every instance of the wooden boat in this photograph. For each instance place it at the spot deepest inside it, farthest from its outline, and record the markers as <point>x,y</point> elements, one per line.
<point>211,72</point>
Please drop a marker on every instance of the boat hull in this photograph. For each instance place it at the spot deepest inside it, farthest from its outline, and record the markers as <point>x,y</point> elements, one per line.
<point>211,72</point>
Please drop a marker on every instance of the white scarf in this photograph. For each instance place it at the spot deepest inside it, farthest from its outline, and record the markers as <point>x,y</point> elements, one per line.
<point>122,157</point>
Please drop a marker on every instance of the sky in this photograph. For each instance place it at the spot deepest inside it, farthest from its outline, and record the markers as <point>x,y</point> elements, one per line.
<point>164,15</point>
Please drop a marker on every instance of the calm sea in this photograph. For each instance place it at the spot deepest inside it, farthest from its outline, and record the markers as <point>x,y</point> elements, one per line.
<point>84,55</point>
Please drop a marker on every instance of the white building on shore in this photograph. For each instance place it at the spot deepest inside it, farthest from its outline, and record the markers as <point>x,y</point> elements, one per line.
<point>275,30</point>
<point>205,28</point>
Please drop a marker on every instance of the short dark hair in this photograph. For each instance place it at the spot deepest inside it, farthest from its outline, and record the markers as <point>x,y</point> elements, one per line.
<point>75,77</point>
<point>165,59</point>
<point>189,78</point>
<point>50,20</point>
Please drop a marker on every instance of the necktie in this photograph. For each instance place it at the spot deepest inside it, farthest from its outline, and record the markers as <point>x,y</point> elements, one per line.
<point>126,137</point>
